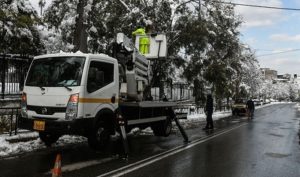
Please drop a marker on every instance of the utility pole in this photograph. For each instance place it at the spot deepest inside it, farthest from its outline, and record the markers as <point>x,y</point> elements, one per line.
<point>199,12</point>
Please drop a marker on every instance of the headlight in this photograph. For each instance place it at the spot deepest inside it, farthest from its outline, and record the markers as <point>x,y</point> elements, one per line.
<point>72,107</point>
<point>24,105</point>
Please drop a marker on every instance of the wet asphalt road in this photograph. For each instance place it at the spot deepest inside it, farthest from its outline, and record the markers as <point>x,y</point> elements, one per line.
<point>265,146</point>
<point>268,146</point>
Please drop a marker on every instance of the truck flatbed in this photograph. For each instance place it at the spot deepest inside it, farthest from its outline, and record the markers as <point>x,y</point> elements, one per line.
<point>145,111</point>
<point>149,104</point>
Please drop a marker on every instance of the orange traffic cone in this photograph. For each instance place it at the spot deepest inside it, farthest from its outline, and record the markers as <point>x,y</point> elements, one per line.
<point>56,171</point>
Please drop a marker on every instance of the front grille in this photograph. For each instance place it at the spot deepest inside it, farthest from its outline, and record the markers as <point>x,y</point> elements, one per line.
<point>46,110</point>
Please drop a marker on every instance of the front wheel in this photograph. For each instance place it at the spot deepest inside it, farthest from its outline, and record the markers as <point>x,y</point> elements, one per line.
<point>99,137</point>
<point>48,138</point>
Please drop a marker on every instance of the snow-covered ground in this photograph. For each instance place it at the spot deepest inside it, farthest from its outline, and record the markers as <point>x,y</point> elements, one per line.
<point>7,148</point>
<point>10,145</point>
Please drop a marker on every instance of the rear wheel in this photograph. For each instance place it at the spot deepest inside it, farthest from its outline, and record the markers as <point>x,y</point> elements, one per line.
<point>162,128</point>
<point>99,136</point>
<point>235,112</point>
<point>48,138</point>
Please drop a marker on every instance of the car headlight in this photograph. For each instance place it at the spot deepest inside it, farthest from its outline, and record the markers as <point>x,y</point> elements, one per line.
<point>24,105</point>
<point>72,107</point>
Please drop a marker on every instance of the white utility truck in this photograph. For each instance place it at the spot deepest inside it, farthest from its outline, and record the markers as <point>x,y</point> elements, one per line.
<point>93,94</point>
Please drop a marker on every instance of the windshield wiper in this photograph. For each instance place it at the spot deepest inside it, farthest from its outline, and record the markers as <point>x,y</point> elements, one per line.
<point>68,88</point>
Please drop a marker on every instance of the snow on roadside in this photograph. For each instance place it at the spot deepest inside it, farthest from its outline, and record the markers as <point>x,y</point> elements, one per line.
<point>9,149</point>
<point>195,120</point>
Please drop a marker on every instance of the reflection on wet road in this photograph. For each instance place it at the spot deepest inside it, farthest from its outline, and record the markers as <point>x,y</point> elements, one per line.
<point>266,146</point>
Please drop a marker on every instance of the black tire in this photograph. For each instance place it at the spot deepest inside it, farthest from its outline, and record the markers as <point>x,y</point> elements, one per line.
<point>162,128</point>
<point>235,112</point>
<point>48,138</point>
<point>99,136</point>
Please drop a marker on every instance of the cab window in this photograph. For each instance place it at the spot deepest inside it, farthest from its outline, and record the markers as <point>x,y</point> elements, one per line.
<point>100,74</point>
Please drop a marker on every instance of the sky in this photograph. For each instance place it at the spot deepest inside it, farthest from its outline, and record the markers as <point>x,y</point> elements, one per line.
<point>35,4</point>
<point>267,32</point>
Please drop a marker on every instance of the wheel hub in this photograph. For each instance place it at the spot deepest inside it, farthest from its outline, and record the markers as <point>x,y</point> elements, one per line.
<point>99,133</point>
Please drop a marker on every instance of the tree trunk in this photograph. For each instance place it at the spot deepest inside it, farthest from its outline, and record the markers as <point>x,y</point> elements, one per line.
<point>161,90</point>
<point>80,34</point>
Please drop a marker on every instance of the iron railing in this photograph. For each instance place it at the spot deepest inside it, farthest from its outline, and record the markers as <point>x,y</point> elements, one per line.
<point>9,120</point>
<point>173,92</point>
<point>13,70</point>
<point>183,110</point>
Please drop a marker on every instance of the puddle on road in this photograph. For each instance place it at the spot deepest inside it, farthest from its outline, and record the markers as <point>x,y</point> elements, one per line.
<point>275,124</point>
<point>277,155</point>
<point>277,135</point>
<point>284,128</point>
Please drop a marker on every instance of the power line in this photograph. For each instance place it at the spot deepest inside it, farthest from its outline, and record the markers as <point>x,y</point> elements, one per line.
<point>259,6</point>
<point>268,50</point>
<point>288,51</point>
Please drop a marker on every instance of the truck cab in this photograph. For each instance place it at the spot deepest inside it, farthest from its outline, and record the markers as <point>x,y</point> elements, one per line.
<point>64,93</point>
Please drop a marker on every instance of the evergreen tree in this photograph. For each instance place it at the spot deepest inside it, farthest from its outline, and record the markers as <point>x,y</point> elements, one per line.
<point>60,19</point>
<point>18,31</point>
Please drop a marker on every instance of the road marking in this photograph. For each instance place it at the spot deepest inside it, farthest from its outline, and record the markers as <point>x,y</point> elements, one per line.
<point>137,165</point>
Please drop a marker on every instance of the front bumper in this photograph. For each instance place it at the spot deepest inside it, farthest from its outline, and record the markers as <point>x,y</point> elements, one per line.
<point>74,127</point>
<point>239,110</point>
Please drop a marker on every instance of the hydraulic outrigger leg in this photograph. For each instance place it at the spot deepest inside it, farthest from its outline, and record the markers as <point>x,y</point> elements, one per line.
<point>124,137</point>
<point>183,133</point>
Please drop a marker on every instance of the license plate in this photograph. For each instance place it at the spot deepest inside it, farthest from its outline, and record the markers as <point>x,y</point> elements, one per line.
<point>39,125</point>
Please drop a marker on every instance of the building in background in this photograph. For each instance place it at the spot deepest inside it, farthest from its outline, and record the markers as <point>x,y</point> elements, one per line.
<point>268,74</point>
<point>284,78</point>
<point>296,80</point>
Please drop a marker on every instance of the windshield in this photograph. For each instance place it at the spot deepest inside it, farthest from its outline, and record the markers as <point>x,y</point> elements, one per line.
<point>56,72</point>
<point>240,101</point>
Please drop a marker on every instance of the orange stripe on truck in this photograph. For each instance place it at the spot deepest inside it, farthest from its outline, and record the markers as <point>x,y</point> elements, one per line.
<point>96,100</point>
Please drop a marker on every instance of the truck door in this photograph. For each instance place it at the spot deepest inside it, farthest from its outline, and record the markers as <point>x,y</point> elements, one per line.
<point>101,89</point>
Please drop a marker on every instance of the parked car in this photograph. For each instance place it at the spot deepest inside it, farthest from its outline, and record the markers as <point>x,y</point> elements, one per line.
<point>273,100</point>
<point>267,101</point>
<point>258,102</point>
<point>239,107</point>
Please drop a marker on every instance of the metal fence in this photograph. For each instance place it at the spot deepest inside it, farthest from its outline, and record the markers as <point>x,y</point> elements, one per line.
<point>13,70</point>
<point>174,92</point>
<point>9,120</point>
<point>184,109</point>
